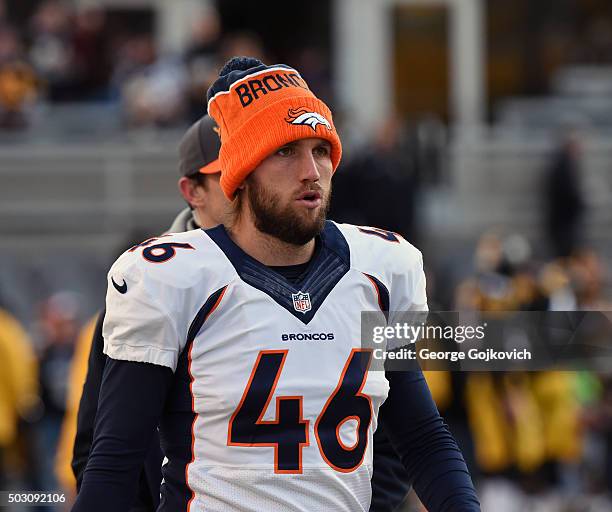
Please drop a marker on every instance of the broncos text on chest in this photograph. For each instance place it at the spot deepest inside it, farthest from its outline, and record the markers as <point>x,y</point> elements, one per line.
<point>308,336</point>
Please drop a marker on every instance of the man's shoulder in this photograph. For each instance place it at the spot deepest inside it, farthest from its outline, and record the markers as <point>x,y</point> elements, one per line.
<point>372,246</point>
<point>173,259</point>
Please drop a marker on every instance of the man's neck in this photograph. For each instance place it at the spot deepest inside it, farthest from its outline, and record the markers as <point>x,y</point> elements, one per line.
<point>267,249</point>
<point>203,220</point>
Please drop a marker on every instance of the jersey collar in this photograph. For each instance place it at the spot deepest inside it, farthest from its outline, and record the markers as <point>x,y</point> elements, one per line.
<point>326,268</point>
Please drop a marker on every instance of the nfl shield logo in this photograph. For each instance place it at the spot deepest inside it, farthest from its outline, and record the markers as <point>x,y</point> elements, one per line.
<point>301,302</point>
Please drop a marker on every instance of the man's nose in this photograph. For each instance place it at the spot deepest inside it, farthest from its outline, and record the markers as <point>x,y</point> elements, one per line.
<point>309,170</point>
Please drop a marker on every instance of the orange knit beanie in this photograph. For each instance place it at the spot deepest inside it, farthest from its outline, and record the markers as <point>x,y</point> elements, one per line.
<point>259,109</point>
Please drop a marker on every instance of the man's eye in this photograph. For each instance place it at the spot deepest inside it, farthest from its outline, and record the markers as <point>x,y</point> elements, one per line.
<point>323,150</point>
<point>285,151</point>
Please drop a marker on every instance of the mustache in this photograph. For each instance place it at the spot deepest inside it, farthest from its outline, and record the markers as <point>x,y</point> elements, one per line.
<point>314,187</point>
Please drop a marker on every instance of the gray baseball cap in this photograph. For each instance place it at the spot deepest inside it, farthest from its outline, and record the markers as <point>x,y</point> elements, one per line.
<point>199,148</point>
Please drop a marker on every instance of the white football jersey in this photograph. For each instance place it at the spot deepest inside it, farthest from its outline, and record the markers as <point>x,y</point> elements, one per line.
<point>273,405</point>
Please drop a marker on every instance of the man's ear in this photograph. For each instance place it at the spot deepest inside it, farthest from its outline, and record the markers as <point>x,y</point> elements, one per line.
<point>191,191</point>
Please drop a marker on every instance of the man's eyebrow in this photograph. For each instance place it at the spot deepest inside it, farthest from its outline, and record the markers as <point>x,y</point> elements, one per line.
<point>289,144</point>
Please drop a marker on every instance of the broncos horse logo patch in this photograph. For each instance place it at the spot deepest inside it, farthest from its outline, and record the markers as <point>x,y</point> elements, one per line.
<point>303,116</point>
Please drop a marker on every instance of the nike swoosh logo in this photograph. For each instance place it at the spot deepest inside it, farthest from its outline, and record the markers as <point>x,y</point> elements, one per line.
<point>120,289</point>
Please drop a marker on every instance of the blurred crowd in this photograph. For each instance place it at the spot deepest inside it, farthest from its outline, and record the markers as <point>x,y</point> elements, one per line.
<point>66,53</point>
<point>534,440</point>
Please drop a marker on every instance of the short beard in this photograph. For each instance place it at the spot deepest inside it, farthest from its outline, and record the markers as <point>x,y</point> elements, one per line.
<point>283,223</point>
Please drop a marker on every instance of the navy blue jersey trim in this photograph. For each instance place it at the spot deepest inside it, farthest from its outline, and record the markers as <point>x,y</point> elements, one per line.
<point>201,315</point>
<point>178,419</point>
<point>327,266</point>
<point>383,294</point>
<point>334,240</point>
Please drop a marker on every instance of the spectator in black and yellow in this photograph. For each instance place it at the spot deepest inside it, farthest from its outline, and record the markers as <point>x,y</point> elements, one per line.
<point>18,392</point>
<point>51,52</point>
<point>524,424</point>
<point>18,81</point>
<point>564,198</point>
<point>202,57</point>
<point>76,379</point>
<point>58,325</point>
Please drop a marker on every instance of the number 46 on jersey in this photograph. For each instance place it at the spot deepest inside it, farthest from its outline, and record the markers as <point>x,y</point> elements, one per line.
<point>288,433</point>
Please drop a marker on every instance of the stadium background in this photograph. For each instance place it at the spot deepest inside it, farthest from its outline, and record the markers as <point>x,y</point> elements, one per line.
<point>479,129</point>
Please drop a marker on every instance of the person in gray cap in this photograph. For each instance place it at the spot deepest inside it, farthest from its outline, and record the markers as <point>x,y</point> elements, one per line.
<point>199,185</point>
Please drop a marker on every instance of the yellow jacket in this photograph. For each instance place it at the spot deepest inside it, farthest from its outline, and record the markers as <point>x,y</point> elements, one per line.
<point>18,376</point>
<point>525,420</point>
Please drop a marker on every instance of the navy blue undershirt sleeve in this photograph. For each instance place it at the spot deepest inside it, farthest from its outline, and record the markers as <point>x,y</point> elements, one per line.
<point>434,464</point>
<point>132,397</point>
